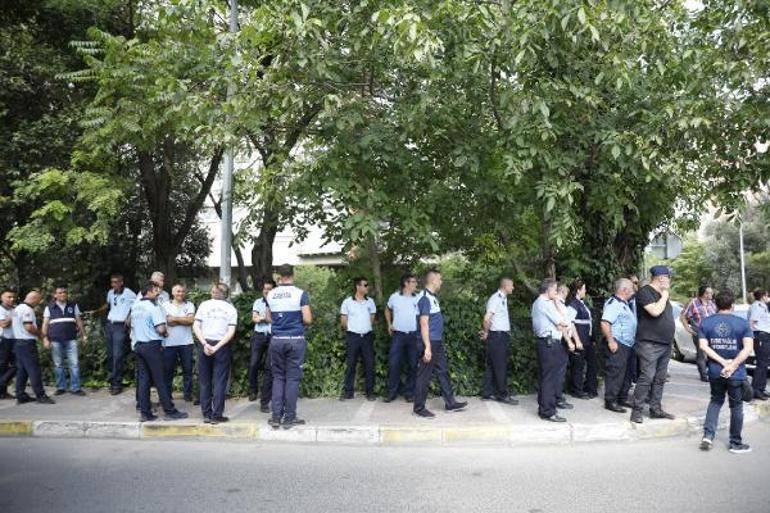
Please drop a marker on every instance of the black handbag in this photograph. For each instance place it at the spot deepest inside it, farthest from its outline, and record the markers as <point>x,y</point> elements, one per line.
<point>748,391</point>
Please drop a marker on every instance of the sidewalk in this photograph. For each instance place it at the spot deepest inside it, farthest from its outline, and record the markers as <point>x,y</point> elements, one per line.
<point>360,422</point>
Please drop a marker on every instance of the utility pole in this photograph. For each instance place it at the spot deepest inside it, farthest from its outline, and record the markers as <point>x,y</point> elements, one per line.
<point>743,263</point>
<point>225,268</point>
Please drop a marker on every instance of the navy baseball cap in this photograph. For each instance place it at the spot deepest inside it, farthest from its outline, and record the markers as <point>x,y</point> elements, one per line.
<point>659,270</point>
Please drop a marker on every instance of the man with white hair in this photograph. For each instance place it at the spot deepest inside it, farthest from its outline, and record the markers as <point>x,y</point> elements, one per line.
<point>619,329</point>
<point>178,345</point>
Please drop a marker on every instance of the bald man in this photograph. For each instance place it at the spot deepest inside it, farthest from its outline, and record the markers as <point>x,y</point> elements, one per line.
<point>26,333</point>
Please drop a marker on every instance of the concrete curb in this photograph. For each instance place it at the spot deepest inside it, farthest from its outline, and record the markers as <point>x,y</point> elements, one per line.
<point>382,435</point>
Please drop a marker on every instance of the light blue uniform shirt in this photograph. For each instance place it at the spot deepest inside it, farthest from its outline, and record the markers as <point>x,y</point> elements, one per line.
<point>404,308</point>
<point>545,318</point>
<point>622,321</point>
<point>497,305</point>
<point>145,317</point>
<point>285,303</point>
<point>7,333</point>
<point>120,304</point>
<point>429,307</point>
<point>260,307</point>
<point>758,312</point>
<point>178,335</point>
<point>359,314</point>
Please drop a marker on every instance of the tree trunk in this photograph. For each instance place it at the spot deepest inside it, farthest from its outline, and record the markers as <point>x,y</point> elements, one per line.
<point>262,251</point>
<point>374,254</point>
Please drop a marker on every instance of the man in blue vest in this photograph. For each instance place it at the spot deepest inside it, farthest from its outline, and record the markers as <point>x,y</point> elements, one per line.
<point>432,355</point>
<point>289,311</point>
<point>148,322</point>
<point>61,325</point>
<point>7,364</point>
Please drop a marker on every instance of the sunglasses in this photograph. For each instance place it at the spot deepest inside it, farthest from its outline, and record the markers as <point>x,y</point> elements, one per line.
<point>364,284</point>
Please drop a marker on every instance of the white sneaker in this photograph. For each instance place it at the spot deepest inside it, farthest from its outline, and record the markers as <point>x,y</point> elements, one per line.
<point>706,444</point>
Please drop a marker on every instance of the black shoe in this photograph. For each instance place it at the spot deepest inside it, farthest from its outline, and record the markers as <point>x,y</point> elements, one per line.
<point>705,379</point>
<point>209,420</point>
<point>288,424</point>
<point>409,398</point>
<point>346,397</point>
<point>176,415</point>
<point>23,399</point>
<point>196,401</point>
<point>486,397</point>
<point>554,418</point>
<point>592,395</point>
<point>609,405</point>
<point>626,403</point>
<point>660,414</point>
<point>458,406</point>
<point>44,399</point>
<point>636,416</point>
<point>264,408</point>
<point>739,448</point>
<point>761,396</point>
<point>580,395</point>
<point>389,399</point>
<point>188,398</point>
<point>6,395</point>
<point>115,391</point>
<point>79,392</point>
<point>59,391</point>
<point>252,397</point>
<point>424,413</point>
<point>510,401</point>
<point>274,423</point>
<point>564,405</point>
<point>220,418</point>
<point>148,418</point>
<point>371,397</point>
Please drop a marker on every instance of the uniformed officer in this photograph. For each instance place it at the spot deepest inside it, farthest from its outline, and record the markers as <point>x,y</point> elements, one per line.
<point>61,324</point>
<point>619,329</point>
<point>759,320</point>
<point>178,345</point>
<point>288,308</point>
<point>401,317</point>
<point>260,353</point>
<point>7,364</point>
<point>159,279</point>
<point>149,326</point>
<point>571,341</point>
<point>496,332</point>
<point>356,318</point>
<point>214,327</point>
<point>431,353</point>
<point>25,334</point>
<point>120,299</point>
<point>549,328</point>
<point>583,382</point>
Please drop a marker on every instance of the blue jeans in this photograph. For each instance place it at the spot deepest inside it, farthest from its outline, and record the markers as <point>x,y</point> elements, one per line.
<point>68,349</point>
<point>734,390</point>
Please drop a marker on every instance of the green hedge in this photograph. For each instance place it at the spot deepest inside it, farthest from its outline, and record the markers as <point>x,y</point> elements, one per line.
<point>325,357</point>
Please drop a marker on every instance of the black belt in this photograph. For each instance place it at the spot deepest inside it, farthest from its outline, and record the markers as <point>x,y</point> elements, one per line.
<point>362,335</point>
<point>404,332</point>
<point>117,322</point>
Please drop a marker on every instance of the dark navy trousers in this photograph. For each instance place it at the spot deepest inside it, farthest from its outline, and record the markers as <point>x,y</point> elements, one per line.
<point>402,347</point>
<point>498,351</point>
<point>438,364</point>
<point>183,355</point>
<point>7,363</point>
<point>287,354</point>
<point>213,372</point>
<point>762,352</point>
<point>260,360</point>
<point>359,345</point>
<point>116,340</point>
<point>618,381</point>
<point>149,359</point>
<point>591,381</point>
<point>551,359</point>
<point>28,366</point>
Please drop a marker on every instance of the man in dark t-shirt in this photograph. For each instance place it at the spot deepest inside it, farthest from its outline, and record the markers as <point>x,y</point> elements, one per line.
<point>654,334</point>
<point>727,341</point>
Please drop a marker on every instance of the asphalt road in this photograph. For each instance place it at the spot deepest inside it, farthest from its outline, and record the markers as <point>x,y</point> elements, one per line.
<point>44,475</point>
